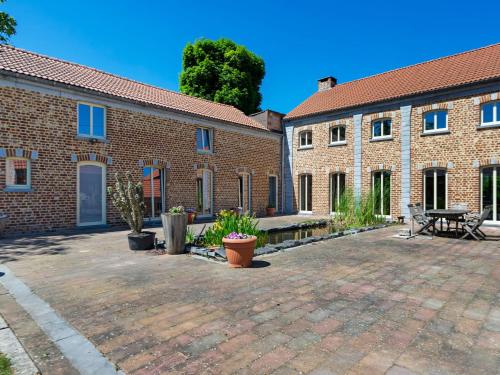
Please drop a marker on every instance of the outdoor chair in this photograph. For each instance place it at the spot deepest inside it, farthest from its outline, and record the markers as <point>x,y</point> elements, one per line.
<point>472,227</point>
<point>457,206</point>
<point>418,216</point>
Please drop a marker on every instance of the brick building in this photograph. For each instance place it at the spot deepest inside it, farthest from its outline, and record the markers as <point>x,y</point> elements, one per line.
<point>65,129</point>
<point>425,133</point>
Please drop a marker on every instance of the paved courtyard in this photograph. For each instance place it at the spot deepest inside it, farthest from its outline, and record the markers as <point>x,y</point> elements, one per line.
<point>363,304</point>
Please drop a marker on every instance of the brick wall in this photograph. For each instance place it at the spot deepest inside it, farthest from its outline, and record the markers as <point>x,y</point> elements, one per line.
<point>47,124</point>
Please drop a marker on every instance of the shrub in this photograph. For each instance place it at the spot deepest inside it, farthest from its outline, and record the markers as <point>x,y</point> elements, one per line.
<point>228,222</point>
<point>5,365</point>
<point>177,210</point>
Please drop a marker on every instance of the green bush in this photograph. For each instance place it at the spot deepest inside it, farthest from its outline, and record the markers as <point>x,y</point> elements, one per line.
<point>227,222</point>
<point>354,212</point>
<point>5,365</point>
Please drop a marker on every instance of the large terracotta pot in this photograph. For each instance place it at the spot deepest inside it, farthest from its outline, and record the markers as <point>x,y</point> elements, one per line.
<point>174,229</point>
<point>270,211</point>
<point>239,253</point>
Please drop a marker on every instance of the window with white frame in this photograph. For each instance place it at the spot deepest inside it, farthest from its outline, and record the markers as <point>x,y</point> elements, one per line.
<point>490,192</point>
<point>305,182</point>
<point>305,139</point>
<point>18,173</point>
<point>382,128</point>
<point>204,140</point>
<point>490,113</point>
<point>435,121</point>
<point>337,188</point>
<point>91,120</point>
<point>337,134</point>
<point>435,189</point>
<point>381,188</point>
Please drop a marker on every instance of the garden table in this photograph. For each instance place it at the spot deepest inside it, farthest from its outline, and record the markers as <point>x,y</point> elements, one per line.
<point>450,215</point>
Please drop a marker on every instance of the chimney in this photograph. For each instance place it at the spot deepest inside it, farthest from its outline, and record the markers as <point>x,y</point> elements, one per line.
<point>326,83</point>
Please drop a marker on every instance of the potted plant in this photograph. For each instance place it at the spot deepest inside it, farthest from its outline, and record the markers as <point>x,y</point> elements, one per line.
<point>270,209</point>
<point>191,215</point>
<point>174,228</point>
<point>239,249</point>
<point>128,198</point>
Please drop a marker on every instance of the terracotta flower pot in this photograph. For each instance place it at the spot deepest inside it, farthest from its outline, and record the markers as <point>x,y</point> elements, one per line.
<point>240,252</point>
<point>270,211</point>
<point>191,217</point>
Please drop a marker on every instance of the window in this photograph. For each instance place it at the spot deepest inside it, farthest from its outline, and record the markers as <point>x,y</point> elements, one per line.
<point>337,134</point>
<point>435,189</point>
<point>91,120</point>
<point>153,182</point>
<point>306,193</point>
<point>18,173</point>
<point>273,192</point>
<point>490,113</point>
<point>337,188</point>
<point>245,192</point>
<point>490,191</point>
<point>241,191</point>
<point>435,121</point>
<point>204,140</point>
<point>382,128</point>
<point>306,139</point>
<point>381,188</point>
<point>204,192</point>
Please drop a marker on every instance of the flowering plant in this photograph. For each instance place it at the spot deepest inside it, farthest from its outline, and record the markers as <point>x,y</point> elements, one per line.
<point>176,210</point>
<point>229,223</point>
<point>236,236</point>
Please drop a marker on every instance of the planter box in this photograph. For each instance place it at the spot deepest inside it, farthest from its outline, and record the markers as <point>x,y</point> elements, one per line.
<point>174,229</point>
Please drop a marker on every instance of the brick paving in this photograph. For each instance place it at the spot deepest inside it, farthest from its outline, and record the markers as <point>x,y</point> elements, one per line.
<point>364,304</point>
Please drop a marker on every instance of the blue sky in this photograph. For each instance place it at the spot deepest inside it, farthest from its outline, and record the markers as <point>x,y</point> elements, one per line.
<point>300,41</point>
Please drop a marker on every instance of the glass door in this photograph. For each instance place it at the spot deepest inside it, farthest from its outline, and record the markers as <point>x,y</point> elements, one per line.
<point>91,194</point>
<point>306,193</point>
<point>490,192</point>
<point>153,182</point>
<point>381,185</point>
<point>204,193</point>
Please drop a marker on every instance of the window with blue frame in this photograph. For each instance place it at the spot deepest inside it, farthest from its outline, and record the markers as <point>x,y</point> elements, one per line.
<point>204,140</point>
<point>91,120</point>
<point>435,121</point>
<point>490,113</point>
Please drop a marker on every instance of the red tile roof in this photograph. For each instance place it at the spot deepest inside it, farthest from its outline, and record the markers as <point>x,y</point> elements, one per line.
<point>474,66</point>
<point>34,65</point>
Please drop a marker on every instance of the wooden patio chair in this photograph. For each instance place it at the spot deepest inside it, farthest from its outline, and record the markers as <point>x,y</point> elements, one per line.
<point>418,216</point>
<point>472,227</point>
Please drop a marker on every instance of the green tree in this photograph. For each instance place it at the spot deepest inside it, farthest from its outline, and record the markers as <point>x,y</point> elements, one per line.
<point>224,72</point>
<point>7,26</point>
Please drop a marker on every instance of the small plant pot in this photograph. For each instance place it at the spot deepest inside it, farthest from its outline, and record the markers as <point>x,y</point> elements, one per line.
<point>239,253</point>
<point>141,241</point>
<point>174,229</point>
<point>191,216</point>
<point>270,211</point>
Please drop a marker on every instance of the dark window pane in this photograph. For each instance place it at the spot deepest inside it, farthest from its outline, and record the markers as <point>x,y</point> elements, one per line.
<point>333,192</point>
<point>487,110</point>
<point>377,129</point>
<point>335,135</point>
<point>429,121</point>
<point>83,119</point>
<point>98,121</point>
<point>487,192</point>
<point>441,119</point>
<point>377,181</point>
<point>272,191</point>
<point>441,189</point>
<point>387,127</point>
<point>199,195</point>
<point>199,139</point>
<point>309,193</point>
<point>429,189</point>
<point>498,194</point>
<point>206,139</point>
<point>342,133</point>
<point>387,193</point>
<point>303,193</point>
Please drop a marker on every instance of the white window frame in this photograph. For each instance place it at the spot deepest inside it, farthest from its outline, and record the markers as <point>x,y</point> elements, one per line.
<point>276,189</point>
<point>495,196</point>
<point>104,193</point>
<point>337,190</point>
<point>201,172</point>
<point>382,191</point>
<point>210,143</point>
<point>308,137</point>
<point>496,114</point>
<point>436,129</point>
<point>28,174</point>
<point>434,176</point>
<point>337,129</point>
<point>306,193</point>
<point>91,135</point>
<point>163,182</point>
<point>382,136</point>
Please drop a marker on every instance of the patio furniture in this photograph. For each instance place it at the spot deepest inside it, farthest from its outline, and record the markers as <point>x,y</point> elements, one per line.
<point>455,215</point>
<point>417,215</point>
<point>471,227</point>
<point>456,206</point>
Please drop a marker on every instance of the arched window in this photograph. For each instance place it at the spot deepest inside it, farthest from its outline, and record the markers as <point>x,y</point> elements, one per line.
<point>435,121</point>
<point>435,189</point>
<point>305,182</point>
<point>337,188</point>
<point>91,190</point>
<point>381,188</point>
